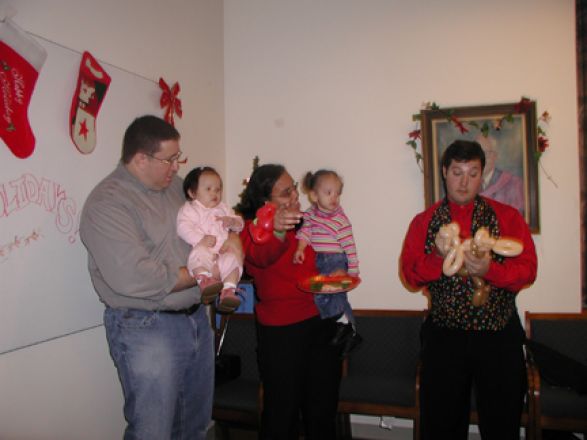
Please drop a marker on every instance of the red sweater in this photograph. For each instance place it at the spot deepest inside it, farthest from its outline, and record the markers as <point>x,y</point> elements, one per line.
<point>419,268</point>
<point>276,277</point>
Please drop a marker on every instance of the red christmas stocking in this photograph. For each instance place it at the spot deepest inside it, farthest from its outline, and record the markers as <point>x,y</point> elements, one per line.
<point>92,84</point>
<point>21,59</point>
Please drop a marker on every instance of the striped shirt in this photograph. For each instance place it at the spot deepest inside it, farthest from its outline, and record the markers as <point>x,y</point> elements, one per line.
<point>330,232</point>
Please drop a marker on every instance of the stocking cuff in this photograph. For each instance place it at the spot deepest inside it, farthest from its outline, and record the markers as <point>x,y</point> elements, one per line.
<point>23,44</point>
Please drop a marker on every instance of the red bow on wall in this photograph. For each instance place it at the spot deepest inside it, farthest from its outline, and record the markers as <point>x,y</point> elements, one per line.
<point>169,101</point>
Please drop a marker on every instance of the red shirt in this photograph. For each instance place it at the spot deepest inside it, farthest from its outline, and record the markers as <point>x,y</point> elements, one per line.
<point>419,268</point>
<point>271,265</point>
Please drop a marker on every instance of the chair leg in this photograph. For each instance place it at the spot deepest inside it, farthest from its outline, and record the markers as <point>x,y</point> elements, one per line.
<point>221,431</point>
<point>343,426</point>
<point>528,435</point>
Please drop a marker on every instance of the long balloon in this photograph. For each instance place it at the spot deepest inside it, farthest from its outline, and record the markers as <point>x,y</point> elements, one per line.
<point>449,243</point>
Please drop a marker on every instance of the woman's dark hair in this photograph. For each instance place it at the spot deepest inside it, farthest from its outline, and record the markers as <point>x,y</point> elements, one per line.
<point>463,151</point>
<point>258,189</point>
<point>192,180</point>
<point>311,179</point>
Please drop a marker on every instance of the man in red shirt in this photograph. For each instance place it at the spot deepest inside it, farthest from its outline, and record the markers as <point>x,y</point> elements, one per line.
<point>464,346</point>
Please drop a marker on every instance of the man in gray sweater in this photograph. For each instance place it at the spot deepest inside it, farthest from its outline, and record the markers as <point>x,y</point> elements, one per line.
<point>159,337</point>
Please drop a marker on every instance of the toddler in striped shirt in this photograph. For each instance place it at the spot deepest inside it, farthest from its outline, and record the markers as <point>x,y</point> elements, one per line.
<point>328,230</point>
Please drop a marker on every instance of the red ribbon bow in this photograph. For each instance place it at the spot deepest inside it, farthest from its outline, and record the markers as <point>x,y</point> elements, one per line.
<point>169,101</point>
<point>523,106</point>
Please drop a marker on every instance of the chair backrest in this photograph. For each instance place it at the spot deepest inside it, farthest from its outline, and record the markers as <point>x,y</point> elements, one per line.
<point>391,343</point>
<point>564,332</point>
<point>241,339</point>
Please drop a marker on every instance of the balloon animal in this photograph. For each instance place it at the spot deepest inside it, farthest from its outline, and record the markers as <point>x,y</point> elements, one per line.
<point>449,243</point>
<point>262,230</point>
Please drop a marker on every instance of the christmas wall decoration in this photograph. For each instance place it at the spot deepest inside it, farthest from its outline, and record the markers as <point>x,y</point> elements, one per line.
<point>512,137</point>
<point>21,59</point>
<point>92,84</point>
<point>169,101</point>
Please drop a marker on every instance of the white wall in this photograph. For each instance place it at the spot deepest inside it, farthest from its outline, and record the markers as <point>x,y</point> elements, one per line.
<point>309,84</point>
<point>67,389</point>
<point>179,40</point>
<point>334,83</point>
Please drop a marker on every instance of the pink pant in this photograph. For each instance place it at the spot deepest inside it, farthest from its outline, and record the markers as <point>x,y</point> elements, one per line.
<point>204,257</point>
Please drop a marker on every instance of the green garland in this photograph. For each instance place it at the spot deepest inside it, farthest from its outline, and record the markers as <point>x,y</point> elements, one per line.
<point>521,107</point>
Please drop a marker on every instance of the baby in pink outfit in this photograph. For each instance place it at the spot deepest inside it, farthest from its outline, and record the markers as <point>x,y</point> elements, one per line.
<point>204,222</point>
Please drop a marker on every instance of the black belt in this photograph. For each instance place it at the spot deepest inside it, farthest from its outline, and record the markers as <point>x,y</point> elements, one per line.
<point>187,311</point>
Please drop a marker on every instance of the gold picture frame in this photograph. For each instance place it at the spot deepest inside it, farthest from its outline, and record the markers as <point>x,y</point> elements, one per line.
<point>507,133</point>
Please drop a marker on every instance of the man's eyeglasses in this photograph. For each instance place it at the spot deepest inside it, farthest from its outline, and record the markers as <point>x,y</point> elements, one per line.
<point>286,193</point>
<point>173,159</point>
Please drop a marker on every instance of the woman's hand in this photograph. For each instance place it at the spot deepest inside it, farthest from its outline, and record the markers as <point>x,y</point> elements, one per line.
<point>338,273</point>
<point>285,219</point>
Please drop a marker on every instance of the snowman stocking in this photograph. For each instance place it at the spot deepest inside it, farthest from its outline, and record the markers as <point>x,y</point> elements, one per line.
<point>21,59</point>
<point>92,84</point>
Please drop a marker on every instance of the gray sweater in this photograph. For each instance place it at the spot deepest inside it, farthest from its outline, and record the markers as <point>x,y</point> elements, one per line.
<point>134,252</point>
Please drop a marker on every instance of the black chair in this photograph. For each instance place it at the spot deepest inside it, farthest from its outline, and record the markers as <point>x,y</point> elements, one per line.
<point>381,377</point>
<point>557,406</point>
<point>236,403</point>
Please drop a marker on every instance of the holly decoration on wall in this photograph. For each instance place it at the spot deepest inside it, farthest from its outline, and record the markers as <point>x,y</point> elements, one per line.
<point>415,136</point>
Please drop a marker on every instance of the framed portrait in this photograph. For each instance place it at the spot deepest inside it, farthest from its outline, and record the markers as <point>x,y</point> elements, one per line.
<point>507,134</point>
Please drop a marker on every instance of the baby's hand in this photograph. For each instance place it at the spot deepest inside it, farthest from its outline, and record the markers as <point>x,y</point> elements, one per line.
<point>299,256</point>
<point>208,241</point>
<point>228,222</point>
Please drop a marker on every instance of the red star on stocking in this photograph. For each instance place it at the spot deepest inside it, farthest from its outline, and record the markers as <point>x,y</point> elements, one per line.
<point>83,129</point>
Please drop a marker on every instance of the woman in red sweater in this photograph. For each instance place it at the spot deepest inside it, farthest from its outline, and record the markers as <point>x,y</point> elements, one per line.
<point>299,368</point>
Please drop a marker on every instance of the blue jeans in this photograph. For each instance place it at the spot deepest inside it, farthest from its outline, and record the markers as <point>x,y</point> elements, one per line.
<point>333,304</point>
<point>165,363</point>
